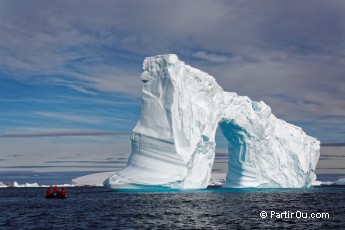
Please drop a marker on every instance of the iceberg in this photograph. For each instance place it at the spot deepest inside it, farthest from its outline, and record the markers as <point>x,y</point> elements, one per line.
<point>173,142</point>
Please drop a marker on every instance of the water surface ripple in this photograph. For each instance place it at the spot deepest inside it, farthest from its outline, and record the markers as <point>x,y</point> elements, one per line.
<point>97,207</point>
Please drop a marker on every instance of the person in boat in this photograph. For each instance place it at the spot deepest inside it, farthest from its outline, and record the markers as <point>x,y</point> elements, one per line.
<point>63,193</point>
<point>55,191</point>
<point>49,193</point>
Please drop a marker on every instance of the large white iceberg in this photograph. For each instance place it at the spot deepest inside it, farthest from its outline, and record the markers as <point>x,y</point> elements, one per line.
<point>173,143</point>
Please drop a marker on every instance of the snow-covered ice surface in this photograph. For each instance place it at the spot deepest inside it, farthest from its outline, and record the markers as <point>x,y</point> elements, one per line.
<point>95,179</point>
<point>173,143</point>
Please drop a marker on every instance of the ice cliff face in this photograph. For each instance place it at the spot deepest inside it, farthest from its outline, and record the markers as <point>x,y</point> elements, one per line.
<point>173,143</point>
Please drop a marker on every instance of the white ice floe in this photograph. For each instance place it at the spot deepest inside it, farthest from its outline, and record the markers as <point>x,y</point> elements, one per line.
<point>339,182</point>
<point>3,185</point>
<point>26,185</point>
<point>173,143</point>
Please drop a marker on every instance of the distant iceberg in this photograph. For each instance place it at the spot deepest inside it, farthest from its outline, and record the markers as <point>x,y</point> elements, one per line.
<point>27,185</point>
<point>31,185</point>
<point>173,143</point>
<point>3,185</point>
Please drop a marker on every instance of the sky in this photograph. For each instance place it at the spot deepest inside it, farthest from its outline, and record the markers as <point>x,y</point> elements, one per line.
<point>70,89</point>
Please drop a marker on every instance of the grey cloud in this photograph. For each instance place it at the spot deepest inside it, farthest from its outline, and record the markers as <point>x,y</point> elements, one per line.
<point>216,170</point>
<point>70,117</point>
<point>91,162</point>
<point>222,154</point>
<point>65,133</point>
<point>151,27</point>
<point>325,158</point>
<point>56,166</point>
<point>338,144</point>
<point>249,29</point>
<point>73,157</point>
<point>217,58</point>
<point>220,162</point>
<point>330,168</point>
<point>330,155</point>
<point>15,155</point>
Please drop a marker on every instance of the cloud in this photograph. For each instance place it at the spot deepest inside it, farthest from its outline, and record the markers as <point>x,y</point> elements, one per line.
<point>80,167</point>
<point>338,144</point>
<point>110,79</point>
<point>53,50</point>
<point>217,58</point>
<point>330,168</point>
<point>89,162</point>
<point>65,133</point>
<point>36,151</point>
<point>70,117</point>
<point>102,49</point>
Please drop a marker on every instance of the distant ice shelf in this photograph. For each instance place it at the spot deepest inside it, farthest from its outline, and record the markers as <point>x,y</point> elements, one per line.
<point>15,184</point>
<point>173,143</point>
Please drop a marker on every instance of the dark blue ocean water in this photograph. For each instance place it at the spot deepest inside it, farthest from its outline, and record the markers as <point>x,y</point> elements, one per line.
<point>97,207</point>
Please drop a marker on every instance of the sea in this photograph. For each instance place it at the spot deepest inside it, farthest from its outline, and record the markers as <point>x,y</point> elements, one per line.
<point>213,208</point>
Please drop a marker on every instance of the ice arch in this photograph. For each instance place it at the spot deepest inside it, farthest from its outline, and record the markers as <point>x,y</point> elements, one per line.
<point>173,143</point>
